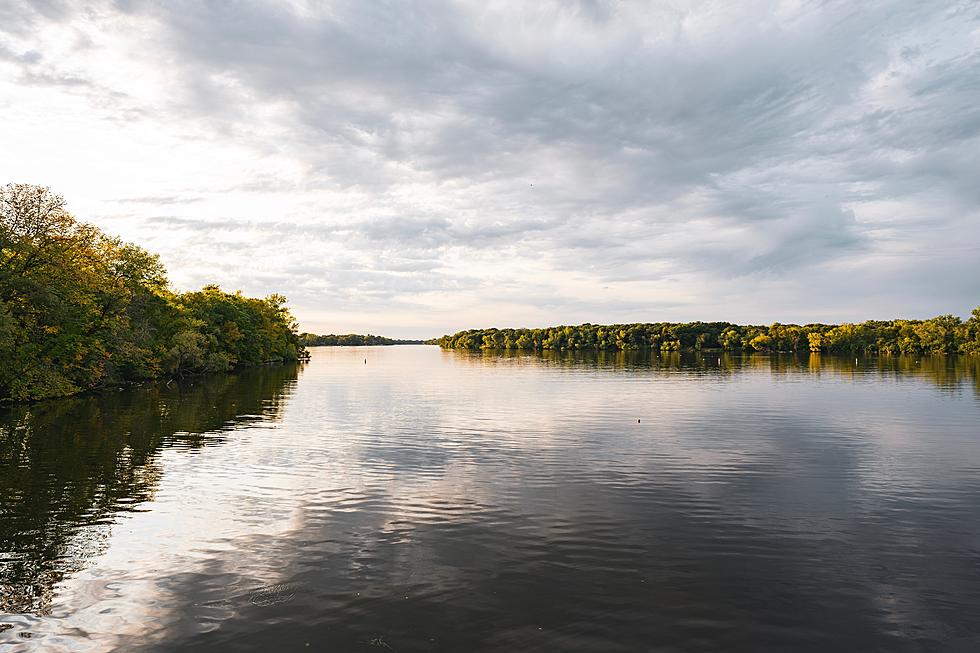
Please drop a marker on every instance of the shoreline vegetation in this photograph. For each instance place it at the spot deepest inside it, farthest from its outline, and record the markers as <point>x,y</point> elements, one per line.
<point>945,334</point>
<point>351,339</point>
<point>81,310</point>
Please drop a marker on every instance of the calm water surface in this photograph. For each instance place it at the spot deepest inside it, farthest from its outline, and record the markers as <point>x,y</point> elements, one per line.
<point>449,501</point>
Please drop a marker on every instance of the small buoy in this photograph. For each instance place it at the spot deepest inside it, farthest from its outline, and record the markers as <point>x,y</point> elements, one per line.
<point>637,421</point>
<point>365,361</point>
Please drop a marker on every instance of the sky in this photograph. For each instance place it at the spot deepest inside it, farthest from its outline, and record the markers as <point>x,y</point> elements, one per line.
<point>412,169</point>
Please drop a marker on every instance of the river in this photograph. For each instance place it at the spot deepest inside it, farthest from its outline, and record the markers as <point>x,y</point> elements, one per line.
<point>412,499</point>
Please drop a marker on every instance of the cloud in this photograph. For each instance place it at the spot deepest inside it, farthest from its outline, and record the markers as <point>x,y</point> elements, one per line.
<point>693,158</point>
<point>159,200</point>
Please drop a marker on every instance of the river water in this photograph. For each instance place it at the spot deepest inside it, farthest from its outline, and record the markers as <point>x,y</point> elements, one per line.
<point>411,499</point>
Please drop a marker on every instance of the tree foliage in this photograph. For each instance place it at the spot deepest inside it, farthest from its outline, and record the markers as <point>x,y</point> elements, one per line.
<point>350,339</point>
<point>80,309</point>
<point>946,334</point>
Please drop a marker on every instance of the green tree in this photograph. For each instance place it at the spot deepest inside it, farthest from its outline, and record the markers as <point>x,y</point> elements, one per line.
<point>80,309</point>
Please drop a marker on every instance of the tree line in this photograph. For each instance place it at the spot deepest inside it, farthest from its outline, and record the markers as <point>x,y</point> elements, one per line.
<point>945,334</point>
<point>334,340</point>
<point>80,309</point>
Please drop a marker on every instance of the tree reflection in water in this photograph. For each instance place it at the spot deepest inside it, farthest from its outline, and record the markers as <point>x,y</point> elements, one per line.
<point>69,466</point>
<point>947,372</point>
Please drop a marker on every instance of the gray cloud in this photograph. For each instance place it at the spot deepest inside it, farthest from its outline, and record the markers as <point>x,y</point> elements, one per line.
<point>611,142</point>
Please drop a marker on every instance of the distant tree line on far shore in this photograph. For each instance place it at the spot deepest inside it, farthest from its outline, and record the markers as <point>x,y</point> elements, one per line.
<point>333,340</point>
<point>81,310</point>
<point>946,334</point>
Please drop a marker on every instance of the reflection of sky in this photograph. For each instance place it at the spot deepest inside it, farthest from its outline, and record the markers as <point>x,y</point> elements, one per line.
<point>434,472</point>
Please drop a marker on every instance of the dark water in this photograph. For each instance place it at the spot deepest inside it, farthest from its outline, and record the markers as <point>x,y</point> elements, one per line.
<point>444,501</point>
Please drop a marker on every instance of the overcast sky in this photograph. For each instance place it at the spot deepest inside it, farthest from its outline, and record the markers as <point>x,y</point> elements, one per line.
<point>412,169</point>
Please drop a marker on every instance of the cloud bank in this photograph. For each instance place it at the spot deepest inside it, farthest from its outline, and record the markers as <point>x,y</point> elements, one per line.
<point>414,169</point>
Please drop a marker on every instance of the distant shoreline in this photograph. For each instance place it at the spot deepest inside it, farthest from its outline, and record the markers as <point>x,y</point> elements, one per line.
<point>353,340</point>
<point>945,334</point>
<point>384,344</point>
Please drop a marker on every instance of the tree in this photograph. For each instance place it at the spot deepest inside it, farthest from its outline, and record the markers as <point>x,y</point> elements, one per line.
<point>971,334</point>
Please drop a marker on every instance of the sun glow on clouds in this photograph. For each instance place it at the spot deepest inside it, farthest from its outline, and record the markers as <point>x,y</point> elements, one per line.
<point>418,169</point>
